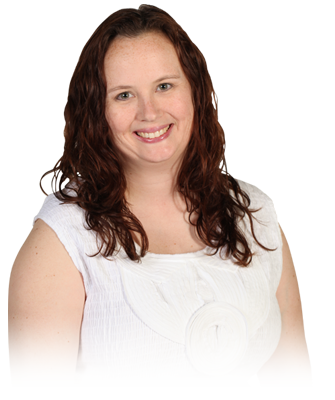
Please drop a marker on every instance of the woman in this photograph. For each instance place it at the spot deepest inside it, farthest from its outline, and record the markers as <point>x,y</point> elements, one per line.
<point>152,258</point>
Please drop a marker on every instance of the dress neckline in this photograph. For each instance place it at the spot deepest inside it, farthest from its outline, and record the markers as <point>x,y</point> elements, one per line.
<point>196,254</point>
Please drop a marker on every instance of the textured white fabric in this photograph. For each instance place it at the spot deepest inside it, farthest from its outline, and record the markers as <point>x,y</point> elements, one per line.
<point>183,316</point>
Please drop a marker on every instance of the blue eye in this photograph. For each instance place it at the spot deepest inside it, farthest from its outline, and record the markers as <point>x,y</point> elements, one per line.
<point>164,86</point>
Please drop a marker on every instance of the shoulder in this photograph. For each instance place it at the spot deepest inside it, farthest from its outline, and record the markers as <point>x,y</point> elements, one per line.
<point>54,209</point>
<point>256,195</point>
<point>266,228</point>
<point>43,251</point>
<point>67,221</point>
<point>265,217</point>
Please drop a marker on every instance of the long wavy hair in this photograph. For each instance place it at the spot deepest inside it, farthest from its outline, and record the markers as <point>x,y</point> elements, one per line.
<point>92,165</point>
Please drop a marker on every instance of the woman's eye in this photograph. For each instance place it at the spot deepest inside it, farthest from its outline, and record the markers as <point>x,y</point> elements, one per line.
<point>165,86</point>
<point>119,97</point>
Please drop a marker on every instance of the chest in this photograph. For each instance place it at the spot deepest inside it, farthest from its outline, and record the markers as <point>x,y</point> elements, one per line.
<point>169,232</point>
<point>161,310</point>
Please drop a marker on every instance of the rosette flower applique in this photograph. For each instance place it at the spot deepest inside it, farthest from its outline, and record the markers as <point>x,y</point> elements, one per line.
<point>216,338</point>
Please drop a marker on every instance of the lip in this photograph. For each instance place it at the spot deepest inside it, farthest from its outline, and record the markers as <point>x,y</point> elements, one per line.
<point>154,129</point>
<point>154,140</point>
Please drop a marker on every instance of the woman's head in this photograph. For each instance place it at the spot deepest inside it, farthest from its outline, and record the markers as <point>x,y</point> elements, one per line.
<point>149,105</point>
<point>89,145</point>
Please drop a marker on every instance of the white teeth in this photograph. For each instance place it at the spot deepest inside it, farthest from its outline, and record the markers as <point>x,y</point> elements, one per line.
<point>153,134</point>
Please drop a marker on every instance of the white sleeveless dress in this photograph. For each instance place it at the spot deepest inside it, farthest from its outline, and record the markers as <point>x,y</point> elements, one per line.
<point>182,318</point>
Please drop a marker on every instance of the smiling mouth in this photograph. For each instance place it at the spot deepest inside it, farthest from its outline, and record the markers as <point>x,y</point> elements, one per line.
<point>153,135</point>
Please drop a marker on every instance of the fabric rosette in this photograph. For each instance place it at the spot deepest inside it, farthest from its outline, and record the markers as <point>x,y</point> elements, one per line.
<point>216,338</point>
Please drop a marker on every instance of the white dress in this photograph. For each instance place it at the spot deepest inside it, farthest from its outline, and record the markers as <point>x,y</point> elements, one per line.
<point>183,317</point>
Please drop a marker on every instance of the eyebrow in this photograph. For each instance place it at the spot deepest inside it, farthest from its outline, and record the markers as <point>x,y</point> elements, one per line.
<point>163,78</point>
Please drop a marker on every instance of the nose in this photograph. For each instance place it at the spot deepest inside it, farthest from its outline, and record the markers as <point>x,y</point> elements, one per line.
<point>148,109</point>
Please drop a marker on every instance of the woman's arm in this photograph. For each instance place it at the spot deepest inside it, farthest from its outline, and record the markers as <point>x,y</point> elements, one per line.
<point>46,301</point>
<point>289,365</point>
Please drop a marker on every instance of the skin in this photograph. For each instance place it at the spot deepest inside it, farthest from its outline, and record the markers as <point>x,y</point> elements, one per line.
<point>46,291</point>
<point>289,365</point>
<point>140,63</point>
<point>46,303</point>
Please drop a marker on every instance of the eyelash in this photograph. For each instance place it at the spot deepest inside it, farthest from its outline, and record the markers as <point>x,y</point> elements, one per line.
<point>166,84</point>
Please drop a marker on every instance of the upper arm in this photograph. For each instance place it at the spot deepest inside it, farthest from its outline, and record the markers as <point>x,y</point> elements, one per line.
<point>46,300</point>
<point>291,355</point>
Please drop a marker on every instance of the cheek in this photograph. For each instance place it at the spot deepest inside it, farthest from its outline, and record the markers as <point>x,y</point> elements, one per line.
<point>184,108</point>
<point>118,120</point>
<point>117,127</point>
<point>179,108</point>
<point>186,116</point>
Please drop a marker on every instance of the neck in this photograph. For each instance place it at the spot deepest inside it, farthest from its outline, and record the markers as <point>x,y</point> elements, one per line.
<point>152,184</point>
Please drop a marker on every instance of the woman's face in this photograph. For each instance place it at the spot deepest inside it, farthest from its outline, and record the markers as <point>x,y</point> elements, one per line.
<point>147,95</point>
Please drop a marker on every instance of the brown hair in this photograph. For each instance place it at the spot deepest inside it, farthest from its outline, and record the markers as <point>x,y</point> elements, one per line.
<point>92,164</point>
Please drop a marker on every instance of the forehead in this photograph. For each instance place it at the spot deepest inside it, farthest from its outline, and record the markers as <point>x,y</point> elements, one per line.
<point>149,53</point>
<point>141,45</point>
